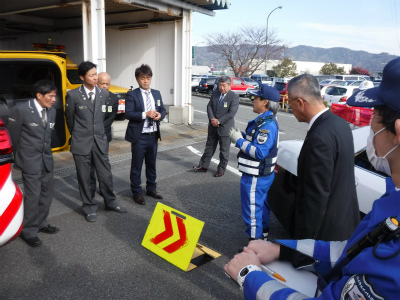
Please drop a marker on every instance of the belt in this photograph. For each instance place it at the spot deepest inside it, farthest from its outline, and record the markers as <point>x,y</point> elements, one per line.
<point>150,133</point>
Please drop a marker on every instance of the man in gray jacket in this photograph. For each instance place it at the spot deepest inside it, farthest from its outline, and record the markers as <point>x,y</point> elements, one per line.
<point>85,111</point>
<point>31,124</point>
<point>221,110</point>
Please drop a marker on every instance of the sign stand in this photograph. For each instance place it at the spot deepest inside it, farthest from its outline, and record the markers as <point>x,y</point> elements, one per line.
<point>173,236</point>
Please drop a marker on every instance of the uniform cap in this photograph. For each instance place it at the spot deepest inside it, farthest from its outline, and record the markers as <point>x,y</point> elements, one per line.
<point>387,93</point>
<point>266,92</point>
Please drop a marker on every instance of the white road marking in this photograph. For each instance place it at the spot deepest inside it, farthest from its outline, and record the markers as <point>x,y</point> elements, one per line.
<point>216,161</point>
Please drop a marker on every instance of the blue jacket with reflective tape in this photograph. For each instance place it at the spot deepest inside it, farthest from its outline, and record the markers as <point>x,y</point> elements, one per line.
<point>259,148</point>
<point>365,276</point>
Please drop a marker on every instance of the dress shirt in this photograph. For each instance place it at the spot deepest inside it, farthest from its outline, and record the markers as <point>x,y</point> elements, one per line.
<point>88,91</point>
<point>146,127</point>
<point>39,109</point>
<point>316,117</point>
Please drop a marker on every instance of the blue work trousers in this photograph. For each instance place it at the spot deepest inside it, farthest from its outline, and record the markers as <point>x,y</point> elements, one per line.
<point>255,208</point>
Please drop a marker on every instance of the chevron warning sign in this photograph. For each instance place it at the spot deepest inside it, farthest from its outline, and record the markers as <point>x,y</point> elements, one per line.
<point>173,235</point>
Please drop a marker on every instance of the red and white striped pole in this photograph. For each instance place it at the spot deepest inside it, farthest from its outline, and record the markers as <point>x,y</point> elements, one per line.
<point>11,206</point>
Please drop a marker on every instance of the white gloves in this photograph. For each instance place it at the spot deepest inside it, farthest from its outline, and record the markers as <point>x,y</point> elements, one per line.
<point>235,134</point>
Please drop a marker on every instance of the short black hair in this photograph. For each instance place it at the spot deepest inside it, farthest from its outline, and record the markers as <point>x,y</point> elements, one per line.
<point>388,117</point>
<point>84,67</point>
<point>143,70</point>
<point>44,87</point>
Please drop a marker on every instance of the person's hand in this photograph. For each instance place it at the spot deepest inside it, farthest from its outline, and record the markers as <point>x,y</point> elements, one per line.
<point>239,261</point>
<point>266,252</point>
<point>151,114</point>
<point>235,134</point>
<point>157,117</point>
<point>214,122</point>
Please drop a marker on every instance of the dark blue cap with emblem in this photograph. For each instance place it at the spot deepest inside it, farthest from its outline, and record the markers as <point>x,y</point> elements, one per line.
<point>387,93</point>
<point>266,92</point>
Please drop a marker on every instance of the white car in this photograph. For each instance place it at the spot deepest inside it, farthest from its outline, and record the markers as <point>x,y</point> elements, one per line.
<point>370,185</point>
<point>339,94</point>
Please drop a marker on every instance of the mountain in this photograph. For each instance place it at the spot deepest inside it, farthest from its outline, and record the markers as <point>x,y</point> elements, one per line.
<point>373,62</point>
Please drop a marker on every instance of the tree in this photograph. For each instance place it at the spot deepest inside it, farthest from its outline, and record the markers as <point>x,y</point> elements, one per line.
<point>359,70</point>
<point>331,69</point>
<point>286,68</point>
<point>245,50</point>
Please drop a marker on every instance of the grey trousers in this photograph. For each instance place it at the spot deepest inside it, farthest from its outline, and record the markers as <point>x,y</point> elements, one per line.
<point>38,194</point>
<point>213,139</point>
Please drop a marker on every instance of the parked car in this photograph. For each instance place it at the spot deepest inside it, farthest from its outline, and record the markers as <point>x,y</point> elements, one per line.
<point>250,81</point>
<point>325,89</point>
<point>353,77</point>
<point>350,83</point>
<point>195,83</point>
<point>206,85</point>
<point>281,85</point>
<point>261,79</point>
<point>324,77</point>
<point>339,94</point>
<point>11,204</point>
<point>239,87</point>
<point>370,184</point>
<point>329,82</point>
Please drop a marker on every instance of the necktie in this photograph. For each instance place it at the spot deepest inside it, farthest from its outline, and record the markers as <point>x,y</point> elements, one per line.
<point>44,117</point>
<point>91,97</point>
<point>148,107</point>
<point>220,100</point>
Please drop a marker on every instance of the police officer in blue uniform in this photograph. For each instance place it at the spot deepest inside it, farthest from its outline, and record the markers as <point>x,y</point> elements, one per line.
<point>256,160</point>
<point>367,265</point>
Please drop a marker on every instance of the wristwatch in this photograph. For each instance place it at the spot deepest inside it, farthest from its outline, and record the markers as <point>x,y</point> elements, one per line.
<point>244,272</point>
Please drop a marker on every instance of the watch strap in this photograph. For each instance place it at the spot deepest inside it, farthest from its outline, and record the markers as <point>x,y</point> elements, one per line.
<point>250,268</point>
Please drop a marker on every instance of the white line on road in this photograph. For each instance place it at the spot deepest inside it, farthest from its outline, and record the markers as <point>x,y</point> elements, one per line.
<point>216,161</point>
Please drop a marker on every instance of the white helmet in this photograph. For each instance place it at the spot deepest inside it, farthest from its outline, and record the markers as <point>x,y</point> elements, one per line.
<point>366,84</point>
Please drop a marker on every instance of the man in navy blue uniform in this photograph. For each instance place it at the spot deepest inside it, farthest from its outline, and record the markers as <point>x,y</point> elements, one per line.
<point>256,159</point>
<point>367,265</point>
<point>144,109</point>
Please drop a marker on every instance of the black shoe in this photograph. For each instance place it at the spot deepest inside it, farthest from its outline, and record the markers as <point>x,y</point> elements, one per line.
<point>154,194</point>
<point>91,217</point>
<point>219,173</point>
<point>139,199</point>
<point>200,169</point>
<point>49,229</point>
<point>33,241</point>
<point>118,209</point>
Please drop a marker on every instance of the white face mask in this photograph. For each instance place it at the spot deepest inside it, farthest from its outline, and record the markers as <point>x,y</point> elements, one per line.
<point>381,164</point>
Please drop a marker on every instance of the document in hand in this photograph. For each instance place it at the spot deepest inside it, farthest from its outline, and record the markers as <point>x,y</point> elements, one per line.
<point>302,281</point>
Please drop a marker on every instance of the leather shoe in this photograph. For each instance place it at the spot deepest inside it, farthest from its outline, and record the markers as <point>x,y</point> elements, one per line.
<point>200,169</point>
<point>91,217</point>
<point>49,229</point>
<point>154,194</point>
<point>33,241</point>
<point>219,173</point>
<point>139,199</point>
<point>118,209</point>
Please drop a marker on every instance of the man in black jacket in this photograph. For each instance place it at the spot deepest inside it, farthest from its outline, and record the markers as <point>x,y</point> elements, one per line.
<point>326,206</point>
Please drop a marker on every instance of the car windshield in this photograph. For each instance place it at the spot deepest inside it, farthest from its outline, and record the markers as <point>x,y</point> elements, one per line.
<point>327,81</point>
<point>348,82</point>
<point>336,91</point>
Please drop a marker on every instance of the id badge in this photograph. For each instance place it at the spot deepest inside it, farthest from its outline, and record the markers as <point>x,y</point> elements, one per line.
<point>103,108</point>
<point>109,109</point>
<point>158,103</point>
<point>225,104</point>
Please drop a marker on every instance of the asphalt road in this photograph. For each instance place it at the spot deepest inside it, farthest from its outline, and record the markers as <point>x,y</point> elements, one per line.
<point>105,259</point>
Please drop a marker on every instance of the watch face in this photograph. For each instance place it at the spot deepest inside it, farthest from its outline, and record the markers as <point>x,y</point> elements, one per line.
<point>244,272</point>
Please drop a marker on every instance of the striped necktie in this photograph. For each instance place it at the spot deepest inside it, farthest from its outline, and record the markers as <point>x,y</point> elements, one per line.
<point>91,97</point>
<point>44,117</point>
<point>220,100</point>
<point>148,107</point>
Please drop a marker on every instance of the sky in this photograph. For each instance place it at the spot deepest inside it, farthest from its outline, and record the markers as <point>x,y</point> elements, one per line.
<point>369,25</point>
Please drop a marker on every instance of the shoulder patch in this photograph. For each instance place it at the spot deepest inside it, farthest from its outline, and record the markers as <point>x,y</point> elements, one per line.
<point>262,136</point>
<point>358,287</point>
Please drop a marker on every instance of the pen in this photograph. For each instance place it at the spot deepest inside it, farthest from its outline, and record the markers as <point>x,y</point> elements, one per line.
<point>272,273</point>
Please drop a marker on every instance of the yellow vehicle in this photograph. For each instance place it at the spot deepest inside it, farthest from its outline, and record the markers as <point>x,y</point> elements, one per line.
<point>19,70</point>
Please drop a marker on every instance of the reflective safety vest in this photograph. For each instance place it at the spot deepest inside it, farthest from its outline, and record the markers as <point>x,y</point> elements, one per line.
<point>252,166</point>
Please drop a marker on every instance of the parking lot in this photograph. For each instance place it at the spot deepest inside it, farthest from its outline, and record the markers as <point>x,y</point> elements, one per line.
<point>105,259</point>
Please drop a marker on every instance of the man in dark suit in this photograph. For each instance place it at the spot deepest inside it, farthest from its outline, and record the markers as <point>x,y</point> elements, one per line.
<point>85,111</point>
<point>326,205</point>
<point>144,109</point>
<point>31,125</point>
<point>221,110</point>
<point>103,81</point>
